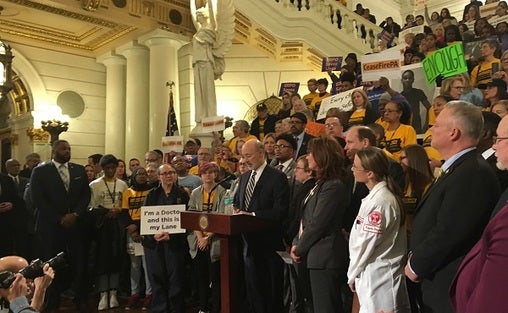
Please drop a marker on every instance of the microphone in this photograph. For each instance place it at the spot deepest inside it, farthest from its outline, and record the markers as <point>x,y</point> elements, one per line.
<point>225,179</point>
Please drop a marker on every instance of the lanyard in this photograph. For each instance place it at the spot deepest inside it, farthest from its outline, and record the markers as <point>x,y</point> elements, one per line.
<point>111,194</point>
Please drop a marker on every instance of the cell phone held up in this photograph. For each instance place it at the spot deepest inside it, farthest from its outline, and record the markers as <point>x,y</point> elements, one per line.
<point>495,68</point>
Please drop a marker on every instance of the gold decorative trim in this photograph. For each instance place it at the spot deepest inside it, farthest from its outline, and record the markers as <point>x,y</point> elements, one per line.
<point>62,12</point>
<point>110,36</point>
<point>203,222</point>
<point>37,135</point>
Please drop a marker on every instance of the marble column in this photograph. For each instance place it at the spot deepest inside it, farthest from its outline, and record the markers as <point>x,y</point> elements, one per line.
<point>163,48</point>
<point>114,141</point>
<point>136,99</point>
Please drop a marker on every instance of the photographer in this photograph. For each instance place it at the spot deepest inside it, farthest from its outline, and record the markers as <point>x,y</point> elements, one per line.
<point>16,295</point>
<point>20,289</point>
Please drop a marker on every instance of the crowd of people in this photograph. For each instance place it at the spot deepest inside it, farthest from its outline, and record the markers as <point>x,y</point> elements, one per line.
<point>373,219</point>
<point>368,228</point>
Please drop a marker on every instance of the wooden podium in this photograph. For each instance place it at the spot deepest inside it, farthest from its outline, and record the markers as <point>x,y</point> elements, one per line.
<point>228,229</point>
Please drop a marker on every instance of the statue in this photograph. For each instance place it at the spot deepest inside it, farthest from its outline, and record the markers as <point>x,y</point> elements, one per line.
<point>215,27</point>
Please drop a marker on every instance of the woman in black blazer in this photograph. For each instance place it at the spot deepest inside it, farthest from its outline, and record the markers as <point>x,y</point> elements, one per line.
<point>319,240</point>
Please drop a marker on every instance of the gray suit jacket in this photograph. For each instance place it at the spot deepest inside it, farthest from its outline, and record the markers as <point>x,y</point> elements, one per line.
<point>288,170</point>
<point>321,241</point>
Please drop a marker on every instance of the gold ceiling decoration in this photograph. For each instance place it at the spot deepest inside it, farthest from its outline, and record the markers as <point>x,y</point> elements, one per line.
<point>90,27</point>
<point>273,103</point>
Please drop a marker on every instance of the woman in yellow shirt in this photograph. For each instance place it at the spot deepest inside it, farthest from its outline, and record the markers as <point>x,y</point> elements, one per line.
<point>397,135</point>
<point>132,200</point>
<point>362,113</point>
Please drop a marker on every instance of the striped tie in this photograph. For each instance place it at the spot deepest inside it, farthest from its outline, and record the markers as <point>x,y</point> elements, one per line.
<point>62,170</point>
<point>250,189</point>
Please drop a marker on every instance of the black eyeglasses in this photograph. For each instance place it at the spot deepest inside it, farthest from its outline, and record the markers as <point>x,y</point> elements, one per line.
<point>281,146</point>
<point>497,139</point>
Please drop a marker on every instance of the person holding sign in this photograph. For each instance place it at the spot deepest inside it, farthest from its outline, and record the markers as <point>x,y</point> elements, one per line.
<point>204,248</point>
<point>165,254</point>
<point>322,84</point>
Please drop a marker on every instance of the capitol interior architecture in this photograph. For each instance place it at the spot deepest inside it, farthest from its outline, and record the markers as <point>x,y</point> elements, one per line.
<point>95,72</point>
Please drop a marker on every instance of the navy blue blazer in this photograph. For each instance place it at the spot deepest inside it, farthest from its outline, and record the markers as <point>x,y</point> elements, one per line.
<point>50,198</point>
<point>270,200</point>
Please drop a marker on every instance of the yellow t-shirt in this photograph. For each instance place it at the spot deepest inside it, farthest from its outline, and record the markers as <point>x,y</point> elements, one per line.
<point>382,123</point>
<point>234,140</point>
<point>316,102</point>
<point>207,199</point>
<point>432,117</point>
<point>308,98</point>
<point>194,170</point>
<point>357,118</point>
<point>133,200</point>
<point>482,73</point>
<point>432,153</point>
<point>396,139</point>
<point>261,129</point>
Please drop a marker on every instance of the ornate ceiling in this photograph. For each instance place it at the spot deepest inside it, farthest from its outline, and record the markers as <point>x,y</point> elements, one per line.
<point>90,27</point>
<point>94,27</point>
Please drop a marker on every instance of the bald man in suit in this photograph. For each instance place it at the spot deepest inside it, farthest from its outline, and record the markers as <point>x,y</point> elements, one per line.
<point>264,193</point>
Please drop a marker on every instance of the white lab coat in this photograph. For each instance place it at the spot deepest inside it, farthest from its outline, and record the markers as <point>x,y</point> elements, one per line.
<point>377,246</point>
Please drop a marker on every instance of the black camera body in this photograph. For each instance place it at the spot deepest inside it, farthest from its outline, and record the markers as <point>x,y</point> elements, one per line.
<point>32,271</point>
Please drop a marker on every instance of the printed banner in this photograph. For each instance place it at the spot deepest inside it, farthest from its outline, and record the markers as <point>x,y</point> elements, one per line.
<point>161,218</point>
<point>172,144</point>
<point>213,124</point>
<point>331,64</point>
<point>288,87</point>
<point>386,63</point>
<point>341,100</point>
<point>446,61</point>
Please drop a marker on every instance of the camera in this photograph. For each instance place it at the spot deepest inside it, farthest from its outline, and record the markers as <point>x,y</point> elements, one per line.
<point>32,271</point>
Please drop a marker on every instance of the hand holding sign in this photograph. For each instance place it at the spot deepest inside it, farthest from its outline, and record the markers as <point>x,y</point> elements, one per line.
<point>447,61</point>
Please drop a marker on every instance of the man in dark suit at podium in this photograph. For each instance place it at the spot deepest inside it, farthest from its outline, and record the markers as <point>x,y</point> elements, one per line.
<point>60,194</point>
<point>263,193</point>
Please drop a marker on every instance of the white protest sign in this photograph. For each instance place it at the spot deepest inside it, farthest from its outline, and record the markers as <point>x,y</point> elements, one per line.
<point>213,124</point>
<point>161,218</point>
<point>385,63</point>
<point>172,143</point>
<point>341,100</point>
